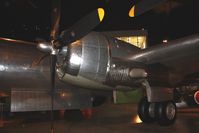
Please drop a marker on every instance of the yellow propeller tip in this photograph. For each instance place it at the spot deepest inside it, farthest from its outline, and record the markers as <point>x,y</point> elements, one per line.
<point>100,13</point>
<point>132,12</point>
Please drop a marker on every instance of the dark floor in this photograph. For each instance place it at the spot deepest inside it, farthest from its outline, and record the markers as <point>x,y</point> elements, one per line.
<point>106,119</point>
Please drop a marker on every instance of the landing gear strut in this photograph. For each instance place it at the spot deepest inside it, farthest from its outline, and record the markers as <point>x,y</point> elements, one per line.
<point>162,112</point>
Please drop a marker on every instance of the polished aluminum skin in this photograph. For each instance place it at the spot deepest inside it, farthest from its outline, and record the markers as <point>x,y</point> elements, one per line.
<point>100,62</point>
<point>100,59</point>
<point>24,70</point>
<point>93,57</point>
<point>114,64</point>
<point>22,65</point>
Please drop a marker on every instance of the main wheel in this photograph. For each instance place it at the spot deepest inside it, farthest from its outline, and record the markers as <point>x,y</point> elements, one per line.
<point>146,110</point>
<point>166,113</point>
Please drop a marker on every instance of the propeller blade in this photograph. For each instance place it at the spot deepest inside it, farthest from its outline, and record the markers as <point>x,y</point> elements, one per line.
<point>13,41</point>
<point>82,27</point>
<point>143,6</point>
<point>55,18</point>
<point>53,60</point>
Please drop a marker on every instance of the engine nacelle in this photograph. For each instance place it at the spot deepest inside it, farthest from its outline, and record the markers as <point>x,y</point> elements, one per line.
<point>99,58</point>
<point>88,57</point>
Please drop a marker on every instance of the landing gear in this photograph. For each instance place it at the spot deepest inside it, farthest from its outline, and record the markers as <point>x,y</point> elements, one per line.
<point>162,112</point>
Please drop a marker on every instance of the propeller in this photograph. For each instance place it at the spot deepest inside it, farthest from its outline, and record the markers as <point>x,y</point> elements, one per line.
<point>81,27</point>
<point>75,32</point>
<point>143,6</point>
<point>53,60</point>
<point>55,20</point>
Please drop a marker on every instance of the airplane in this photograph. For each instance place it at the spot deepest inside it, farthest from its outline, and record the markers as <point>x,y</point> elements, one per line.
<point>79,64</point>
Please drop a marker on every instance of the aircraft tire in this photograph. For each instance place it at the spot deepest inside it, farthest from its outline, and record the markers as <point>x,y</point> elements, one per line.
<point>165,113</point>
<point>143,111</point>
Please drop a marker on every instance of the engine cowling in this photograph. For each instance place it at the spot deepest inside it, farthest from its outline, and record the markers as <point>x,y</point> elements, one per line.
<point>101,59</point>
<point>88,57</point>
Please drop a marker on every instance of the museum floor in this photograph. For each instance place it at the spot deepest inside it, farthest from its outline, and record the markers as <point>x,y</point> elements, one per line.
<point>107,118</point>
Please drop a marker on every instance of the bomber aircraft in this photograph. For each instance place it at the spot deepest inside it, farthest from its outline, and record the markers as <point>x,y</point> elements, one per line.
<point>77,61</point>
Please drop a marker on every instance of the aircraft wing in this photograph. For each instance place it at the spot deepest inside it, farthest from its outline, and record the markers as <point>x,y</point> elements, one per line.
<point>177,59</point>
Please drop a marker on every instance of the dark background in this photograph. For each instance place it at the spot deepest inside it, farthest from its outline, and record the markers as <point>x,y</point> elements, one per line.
<point>30,19</point>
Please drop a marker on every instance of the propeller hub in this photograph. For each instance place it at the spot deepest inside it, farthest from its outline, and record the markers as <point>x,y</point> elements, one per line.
<point>48,48</point>
<point>44,47</point>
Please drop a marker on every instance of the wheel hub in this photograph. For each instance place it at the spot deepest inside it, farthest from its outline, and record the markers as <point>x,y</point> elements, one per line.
<point>152,110</point>
<point>170,111</point>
